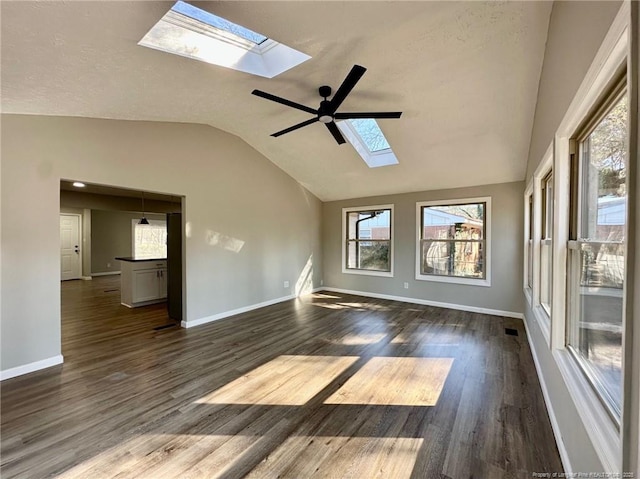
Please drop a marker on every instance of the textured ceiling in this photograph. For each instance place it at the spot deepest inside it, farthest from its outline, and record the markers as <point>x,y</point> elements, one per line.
<point>465,74</point>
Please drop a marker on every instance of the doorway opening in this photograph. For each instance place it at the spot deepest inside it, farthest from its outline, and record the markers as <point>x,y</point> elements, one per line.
<point>103,238</point>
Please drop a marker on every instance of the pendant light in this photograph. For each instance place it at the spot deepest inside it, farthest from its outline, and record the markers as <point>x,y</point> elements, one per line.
<point>143,220</point>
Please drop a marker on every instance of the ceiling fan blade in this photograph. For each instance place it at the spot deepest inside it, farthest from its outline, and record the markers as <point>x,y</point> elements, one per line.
<point>347,85</point>
<point>295,127</point>
<point>284,101</point>
<point>335,132</point>
<point>373,114</point>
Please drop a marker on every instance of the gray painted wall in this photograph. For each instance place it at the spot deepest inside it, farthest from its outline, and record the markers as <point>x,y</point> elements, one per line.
<point>505,293</point>
<point>576,31</point>
<point>231,193</point>
<point>111,236</point>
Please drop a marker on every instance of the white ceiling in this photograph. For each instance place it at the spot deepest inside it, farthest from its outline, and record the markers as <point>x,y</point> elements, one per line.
<point>465,74</point>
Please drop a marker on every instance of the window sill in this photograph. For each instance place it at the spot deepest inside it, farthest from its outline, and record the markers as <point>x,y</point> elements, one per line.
<point>528,296</point>
<point>454,280</point>
<point>364,272</point>
<point>544,322</point>
<point>601,428</point>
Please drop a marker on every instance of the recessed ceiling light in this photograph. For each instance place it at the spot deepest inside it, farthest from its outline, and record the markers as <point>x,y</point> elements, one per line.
<point>77,184</point>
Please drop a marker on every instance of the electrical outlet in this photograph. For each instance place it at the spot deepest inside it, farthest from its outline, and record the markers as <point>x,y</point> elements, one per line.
<point>286,284</point>
<point>322,282</point>
<point>108,265</point>
<point>406,285</point>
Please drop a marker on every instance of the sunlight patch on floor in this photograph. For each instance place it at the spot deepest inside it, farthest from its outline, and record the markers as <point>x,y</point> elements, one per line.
<point>357,339</point>
<point>344,456</point>
<point>325,296</point>
<point>141,456</point>
<point>395,381</point>
<point>283,381</point>
<point>330,305</point>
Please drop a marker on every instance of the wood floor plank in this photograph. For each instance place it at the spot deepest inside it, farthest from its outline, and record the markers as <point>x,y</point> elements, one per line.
<point>326,386</point>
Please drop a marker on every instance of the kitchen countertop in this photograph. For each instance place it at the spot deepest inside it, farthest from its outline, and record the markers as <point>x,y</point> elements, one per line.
<point>132,259</point>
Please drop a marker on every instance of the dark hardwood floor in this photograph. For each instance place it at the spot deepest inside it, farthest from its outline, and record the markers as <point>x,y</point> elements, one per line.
<point>329,386</point>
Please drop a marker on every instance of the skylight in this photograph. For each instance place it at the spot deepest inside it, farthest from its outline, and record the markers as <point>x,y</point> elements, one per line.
<point>190,32</point>
<point>368,140</point>
<point>371,134</point>
<point>218,22</point>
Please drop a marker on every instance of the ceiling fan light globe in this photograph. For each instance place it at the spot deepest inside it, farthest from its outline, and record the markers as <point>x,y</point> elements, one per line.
<point>325,118</point>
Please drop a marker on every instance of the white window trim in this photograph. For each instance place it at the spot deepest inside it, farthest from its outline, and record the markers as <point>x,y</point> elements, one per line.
<point>486,282</point>
<point>601,428</point>
<point>528,223</point>
<point>345,270</point>
<point>540,314</point>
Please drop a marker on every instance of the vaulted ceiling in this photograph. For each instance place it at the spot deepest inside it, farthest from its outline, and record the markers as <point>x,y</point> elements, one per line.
<point>465,74</point>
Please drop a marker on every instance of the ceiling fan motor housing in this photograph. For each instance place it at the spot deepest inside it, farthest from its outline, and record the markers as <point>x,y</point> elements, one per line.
<point>325,113</point>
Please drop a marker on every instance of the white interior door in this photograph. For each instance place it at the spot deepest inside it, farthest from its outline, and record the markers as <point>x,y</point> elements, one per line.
<point>70,247</point>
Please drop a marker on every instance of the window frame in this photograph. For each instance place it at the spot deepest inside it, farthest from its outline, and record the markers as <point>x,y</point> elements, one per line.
<point>617,89</point>
<point>540,314</point>
<point>546,224</point>
<point>486,281</point>
<point>529,244</point>
<point>345,241</point>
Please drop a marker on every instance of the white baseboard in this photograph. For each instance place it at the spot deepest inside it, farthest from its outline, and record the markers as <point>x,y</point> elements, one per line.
<point>427,302</point>
<point>86,278</point>
<point>233,312</point>
<point>31,367</point>
<point>564,455</point>
<point>106,273</point>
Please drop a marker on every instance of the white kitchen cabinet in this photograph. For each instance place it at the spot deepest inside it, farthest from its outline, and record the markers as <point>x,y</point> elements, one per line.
<point>142,282</point>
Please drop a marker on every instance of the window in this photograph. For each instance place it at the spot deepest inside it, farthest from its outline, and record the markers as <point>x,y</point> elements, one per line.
<point>150,241</point>
<point>368,234</point>
<point>368,140</point>
<point>453,243</point>
<point>596,262</point>
<point>529,245</point>
<point>190,32</point>
<point>546,243</point>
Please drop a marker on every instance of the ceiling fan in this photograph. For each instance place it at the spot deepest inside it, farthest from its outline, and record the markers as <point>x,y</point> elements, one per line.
<point>327,111</point>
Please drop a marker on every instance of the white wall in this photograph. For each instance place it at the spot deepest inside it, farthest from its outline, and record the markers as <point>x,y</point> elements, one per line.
<point>231,193</point>
<point>504,295</point>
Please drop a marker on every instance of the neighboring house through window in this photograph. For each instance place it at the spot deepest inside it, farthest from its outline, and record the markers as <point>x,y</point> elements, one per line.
<point>453,241</point>
<point>368,236</point>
